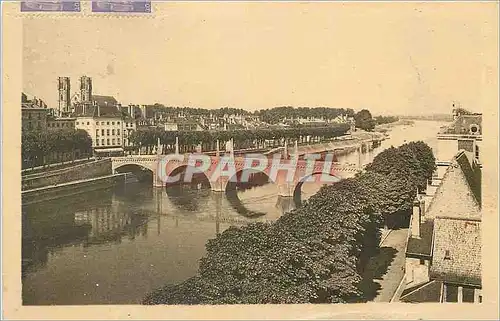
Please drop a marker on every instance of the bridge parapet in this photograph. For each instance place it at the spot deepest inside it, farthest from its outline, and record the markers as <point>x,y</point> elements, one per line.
<point>219,167</point>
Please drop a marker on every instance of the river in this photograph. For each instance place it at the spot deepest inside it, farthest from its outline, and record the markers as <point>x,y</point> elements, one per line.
<point>114,246</point>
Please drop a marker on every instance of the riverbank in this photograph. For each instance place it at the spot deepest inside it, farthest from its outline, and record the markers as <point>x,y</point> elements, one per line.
<point>386,127</point>
<point>56,191</point>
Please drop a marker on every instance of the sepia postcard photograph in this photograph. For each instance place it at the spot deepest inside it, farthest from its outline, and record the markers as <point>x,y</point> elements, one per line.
<point>247,159</point>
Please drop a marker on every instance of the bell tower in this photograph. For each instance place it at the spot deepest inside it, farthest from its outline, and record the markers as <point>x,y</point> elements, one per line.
<point>85,89</point>
<point>64,98</point>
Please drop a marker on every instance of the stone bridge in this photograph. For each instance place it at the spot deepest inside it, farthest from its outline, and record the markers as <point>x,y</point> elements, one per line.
<point>287,173</point>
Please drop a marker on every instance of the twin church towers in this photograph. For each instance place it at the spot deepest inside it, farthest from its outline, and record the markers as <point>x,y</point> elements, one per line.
<point>65,100</point>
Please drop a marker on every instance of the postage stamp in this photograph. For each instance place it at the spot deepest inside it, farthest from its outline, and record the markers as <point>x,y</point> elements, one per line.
<point>121,6</point>
<point>54,5</point>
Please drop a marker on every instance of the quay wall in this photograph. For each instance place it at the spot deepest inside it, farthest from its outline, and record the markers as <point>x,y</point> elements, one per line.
<point>75,173</point>
<point>72,188</point>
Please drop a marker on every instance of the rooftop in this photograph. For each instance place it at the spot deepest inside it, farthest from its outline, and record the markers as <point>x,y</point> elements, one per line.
<point>458,195</point>
<point>427,292</point>
<point>422,246</point>
<point>457,251</point>
<point>93,111</point>
<point>104,101</point>
<point>464,124</point>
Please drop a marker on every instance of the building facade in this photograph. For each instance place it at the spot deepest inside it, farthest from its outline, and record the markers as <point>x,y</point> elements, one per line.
<point>129,127</point>
<point>443,254</point>
<point>465,133</point>
<point>33,113</point>
<point>34,118</point>
<point>105,131</point>
<point>56,123</point>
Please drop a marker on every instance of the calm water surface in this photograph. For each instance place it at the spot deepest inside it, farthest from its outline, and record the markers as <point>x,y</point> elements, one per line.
<point>114,246</point>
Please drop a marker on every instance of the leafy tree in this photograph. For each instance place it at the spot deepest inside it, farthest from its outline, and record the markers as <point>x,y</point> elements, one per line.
<point>147,138</point>
<point>43,147</point>
<point>379,120</point>
<point>364,120</point>
<point>314,254</point>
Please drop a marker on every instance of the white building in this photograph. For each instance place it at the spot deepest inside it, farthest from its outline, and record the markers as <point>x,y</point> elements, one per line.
<point>129,127</point>
<point>106,132</point>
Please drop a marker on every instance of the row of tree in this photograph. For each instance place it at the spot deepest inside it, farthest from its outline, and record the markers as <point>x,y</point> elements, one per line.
<point>277,114</point>
<point>316,253</point>
<point>45,147</point>
<point>271,116</point>
<point>147,138</point>
<point>193,111</point>
<point>380,120</point>
<point>364,120</point>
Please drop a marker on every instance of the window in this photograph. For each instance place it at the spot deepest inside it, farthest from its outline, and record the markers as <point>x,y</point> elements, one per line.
<point>107,141</point>
<point>422,262</point>
<point>107,132</point>
<point>77,123</point>
<point>113,141</point>
<point>29,115</point>
<point>107,123</point>
<point>102,132</point>
<point>118,123</point>
<point>468,295</point>
<point>112,132</point>
<point>57,125</point>
<point>97,142</point>
<point>118,132</point>
<point>447,255</point>
<point>102,142</point>
<point>112,123</point>
<point>118,141</point>
<point>97,132</point>
<point>88,123</point>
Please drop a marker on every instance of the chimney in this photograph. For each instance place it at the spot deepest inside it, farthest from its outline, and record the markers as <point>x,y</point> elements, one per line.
<point>415,219</point>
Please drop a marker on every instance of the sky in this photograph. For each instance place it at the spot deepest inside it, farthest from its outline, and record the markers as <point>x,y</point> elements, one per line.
<point>391,58</point>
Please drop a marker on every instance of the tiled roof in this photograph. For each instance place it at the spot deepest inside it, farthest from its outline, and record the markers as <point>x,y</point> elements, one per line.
<point>427,292</point>
<point>457,251</point>
<point>423,245</point>
<point>463,123</point>
<point>472,173</point>
<point>104,101</point>
<point>92,111</point>
<point>455,197</point>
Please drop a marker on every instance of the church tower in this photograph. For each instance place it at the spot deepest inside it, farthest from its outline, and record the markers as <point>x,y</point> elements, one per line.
<point>64,95</point>
<point>85,89</point>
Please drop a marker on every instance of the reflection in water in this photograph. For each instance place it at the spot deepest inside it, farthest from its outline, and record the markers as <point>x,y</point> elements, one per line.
<point>116,245</point>
<point>187,197</point>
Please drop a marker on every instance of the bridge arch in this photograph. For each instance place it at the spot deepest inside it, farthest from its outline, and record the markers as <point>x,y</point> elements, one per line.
<point>256,178</point>
<point>200,177</point>
<point>316,177</point>
<point>145,165</point>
